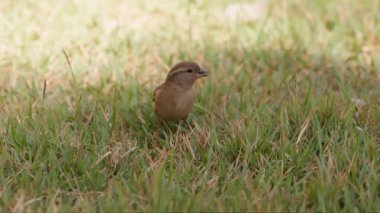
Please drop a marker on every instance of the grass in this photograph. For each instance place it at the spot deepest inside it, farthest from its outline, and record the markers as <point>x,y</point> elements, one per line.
<point>289,119</point>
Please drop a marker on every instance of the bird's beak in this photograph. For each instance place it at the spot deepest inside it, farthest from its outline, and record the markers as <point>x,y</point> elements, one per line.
<point>202,73</point>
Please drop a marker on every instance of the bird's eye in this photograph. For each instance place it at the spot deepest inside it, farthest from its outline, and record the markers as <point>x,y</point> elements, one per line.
<point>189,70</point>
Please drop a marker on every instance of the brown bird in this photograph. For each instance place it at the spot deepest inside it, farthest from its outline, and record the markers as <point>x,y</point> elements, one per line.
<point>173,100</point>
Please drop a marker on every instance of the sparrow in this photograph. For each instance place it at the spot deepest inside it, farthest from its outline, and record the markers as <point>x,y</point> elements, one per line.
<point>173,99</point>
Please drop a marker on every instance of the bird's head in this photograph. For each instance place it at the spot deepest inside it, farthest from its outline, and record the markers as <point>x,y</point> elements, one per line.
<point>186,73</point>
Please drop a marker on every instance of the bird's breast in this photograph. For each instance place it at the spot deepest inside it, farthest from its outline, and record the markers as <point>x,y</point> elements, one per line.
<point>174,104</point>
<point>184,101</point>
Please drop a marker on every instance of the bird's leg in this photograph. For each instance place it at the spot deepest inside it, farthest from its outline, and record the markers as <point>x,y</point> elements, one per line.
<point>184,120</point>
<point>157,132</point>
<point>160,124</point>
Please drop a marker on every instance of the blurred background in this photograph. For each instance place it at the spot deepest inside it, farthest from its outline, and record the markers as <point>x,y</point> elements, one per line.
<point>144,38</point>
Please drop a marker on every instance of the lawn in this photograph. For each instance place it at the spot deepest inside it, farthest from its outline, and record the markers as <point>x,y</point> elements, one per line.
<point>288,120</point>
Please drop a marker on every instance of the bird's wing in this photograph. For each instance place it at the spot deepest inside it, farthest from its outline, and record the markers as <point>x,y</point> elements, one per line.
<point>156,92</point>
